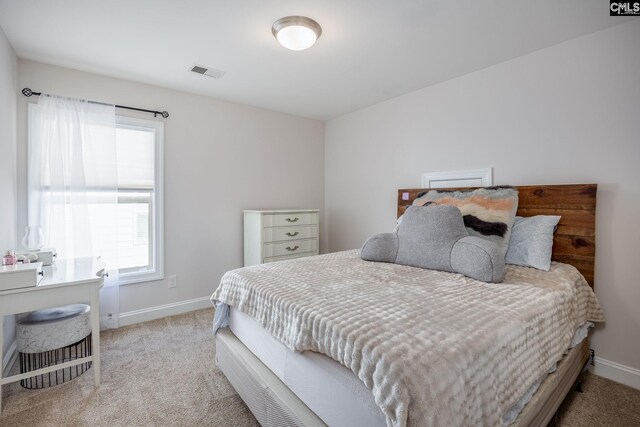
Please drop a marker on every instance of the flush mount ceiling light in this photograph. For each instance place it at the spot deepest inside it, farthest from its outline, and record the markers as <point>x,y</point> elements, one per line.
<point>296,32</point>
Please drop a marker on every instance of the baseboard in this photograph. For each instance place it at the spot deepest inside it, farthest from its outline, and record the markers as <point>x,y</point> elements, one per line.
<point>9,358</point>
<point>616,372</point>
<point>152,313</point>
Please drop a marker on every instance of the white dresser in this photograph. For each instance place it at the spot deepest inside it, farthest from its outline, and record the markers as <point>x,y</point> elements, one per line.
<point>280,234</point>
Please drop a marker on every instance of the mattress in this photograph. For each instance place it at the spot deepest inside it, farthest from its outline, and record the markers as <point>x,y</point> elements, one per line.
<point>329,389</point>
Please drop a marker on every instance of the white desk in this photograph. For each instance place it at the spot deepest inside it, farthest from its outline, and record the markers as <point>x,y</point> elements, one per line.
<point>74,281</point>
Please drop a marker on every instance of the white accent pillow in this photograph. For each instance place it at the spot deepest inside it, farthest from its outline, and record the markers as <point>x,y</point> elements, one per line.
<point>532,241</point>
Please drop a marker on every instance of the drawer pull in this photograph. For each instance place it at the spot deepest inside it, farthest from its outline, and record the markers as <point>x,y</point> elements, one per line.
<point>292,220</point>
<point>291,249</point>
<point>292,234</point>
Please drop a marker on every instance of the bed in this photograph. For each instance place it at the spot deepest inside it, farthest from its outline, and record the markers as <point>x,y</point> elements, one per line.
<point>290,310</point>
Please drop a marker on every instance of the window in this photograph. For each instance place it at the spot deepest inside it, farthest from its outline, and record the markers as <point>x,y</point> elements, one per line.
<point>139,147</point>
<point>139,161</point>
<point>127,215</point>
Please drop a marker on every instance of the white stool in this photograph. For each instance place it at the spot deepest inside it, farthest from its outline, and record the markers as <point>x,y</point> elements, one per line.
<point>52,336</point>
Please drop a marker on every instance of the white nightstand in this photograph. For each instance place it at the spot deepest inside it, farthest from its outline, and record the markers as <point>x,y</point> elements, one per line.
<point>275,235</point>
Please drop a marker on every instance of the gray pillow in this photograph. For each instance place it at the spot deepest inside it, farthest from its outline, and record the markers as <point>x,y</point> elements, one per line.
<point>532,241</point>
<point>435,237</point>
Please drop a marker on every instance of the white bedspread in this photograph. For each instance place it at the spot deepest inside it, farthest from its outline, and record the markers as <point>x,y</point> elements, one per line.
<point>435,348</point>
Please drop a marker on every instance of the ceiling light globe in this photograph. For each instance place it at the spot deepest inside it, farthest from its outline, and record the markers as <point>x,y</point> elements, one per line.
<point>296,32</point>
<point>296,37</point>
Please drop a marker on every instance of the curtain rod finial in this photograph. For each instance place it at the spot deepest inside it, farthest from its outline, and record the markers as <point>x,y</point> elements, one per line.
<point>165,114</point>
<point>27,92</point>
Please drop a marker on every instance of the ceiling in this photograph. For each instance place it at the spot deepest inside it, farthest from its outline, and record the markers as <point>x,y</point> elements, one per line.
<point>369,51</point>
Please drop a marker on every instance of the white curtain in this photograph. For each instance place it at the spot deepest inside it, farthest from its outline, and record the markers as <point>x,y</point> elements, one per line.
<point>72,184</point>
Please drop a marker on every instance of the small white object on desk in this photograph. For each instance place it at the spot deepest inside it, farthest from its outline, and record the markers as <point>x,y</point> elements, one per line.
<point>20,276</point>
<point>47,256</point>
<point>72,281</point>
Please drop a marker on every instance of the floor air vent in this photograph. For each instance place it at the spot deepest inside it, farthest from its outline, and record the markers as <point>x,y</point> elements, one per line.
<point>206,71</point>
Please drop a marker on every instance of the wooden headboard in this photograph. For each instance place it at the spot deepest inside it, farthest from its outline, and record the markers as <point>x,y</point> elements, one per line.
<point>575,239</point>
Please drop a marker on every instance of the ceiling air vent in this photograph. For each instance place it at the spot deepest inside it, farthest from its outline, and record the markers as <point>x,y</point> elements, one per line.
<point>211,72</point>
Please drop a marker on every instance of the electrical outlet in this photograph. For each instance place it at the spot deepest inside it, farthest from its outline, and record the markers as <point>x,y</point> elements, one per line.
<point>173,282</point>
<point>109,321</point>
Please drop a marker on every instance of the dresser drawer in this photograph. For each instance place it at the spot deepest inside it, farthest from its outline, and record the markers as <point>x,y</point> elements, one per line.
<point>286,219</point>
<point>278,234</point>
<point>286,257</point>
<point>289,248</point>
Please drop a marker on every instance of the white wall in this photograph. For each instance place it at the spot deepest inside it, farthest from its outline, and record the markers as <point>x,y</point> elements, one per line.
<point>8,201</point>
<point>220,158</point>
<point>566,114</point>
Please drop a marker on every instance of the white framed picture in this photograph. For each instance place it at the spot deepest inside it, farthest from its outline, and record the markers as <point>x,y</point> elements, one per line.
<point>460,178</point>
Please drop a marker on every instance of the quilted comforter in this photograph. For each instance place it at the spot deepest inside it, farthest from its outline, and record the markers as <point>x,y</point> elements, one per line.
<point>435,348</point>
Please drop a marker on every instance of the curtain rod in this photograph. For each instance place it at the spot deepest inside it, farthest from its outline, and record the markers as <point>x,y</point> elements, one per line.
<point>28,92</point>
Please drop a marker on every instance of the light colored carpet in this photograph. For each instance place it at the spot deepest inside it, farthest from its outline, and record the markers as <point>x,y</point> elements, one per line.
<point>601,403</point>
<point>162,373</point>
<point>158,373</point>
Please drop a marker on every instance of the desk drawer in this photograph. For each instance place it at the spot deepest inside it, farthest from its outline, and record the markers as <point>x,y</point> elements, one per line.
<point>286,219</point>
<point>290,248</point>
<point>279,234</point>
<point>20,276</point>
